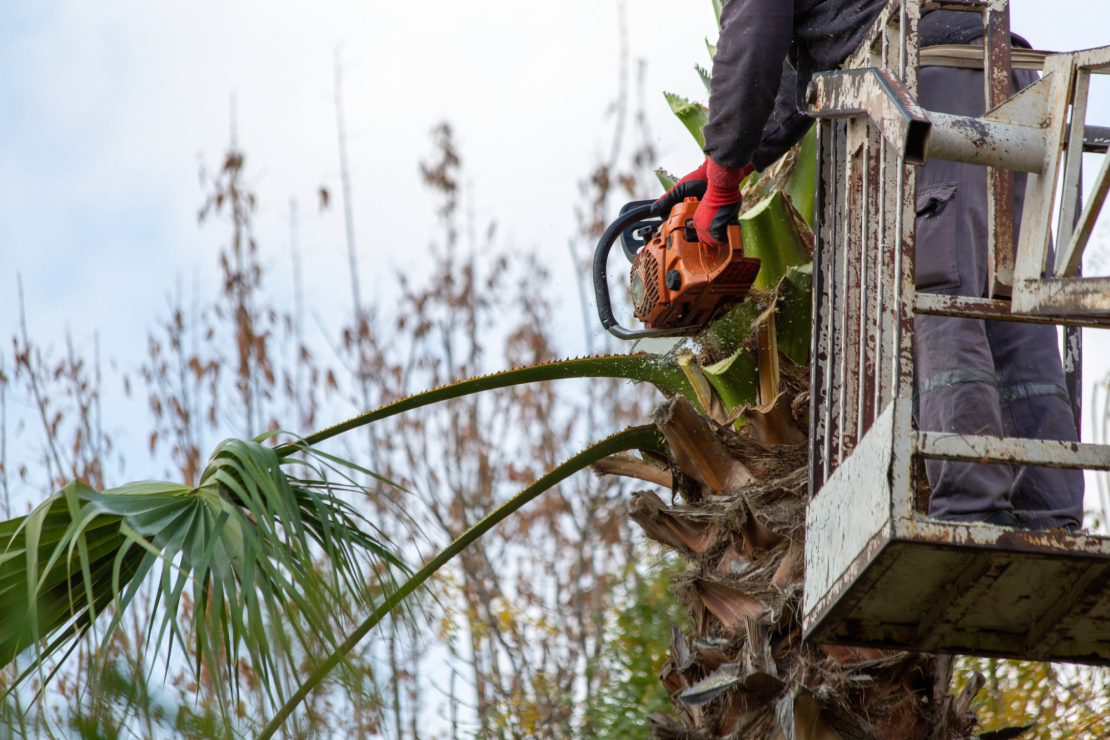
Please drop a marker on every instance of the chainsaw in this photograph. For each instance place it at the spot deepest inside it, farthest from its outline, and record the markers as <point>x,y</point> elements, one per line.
<point>678,283</point>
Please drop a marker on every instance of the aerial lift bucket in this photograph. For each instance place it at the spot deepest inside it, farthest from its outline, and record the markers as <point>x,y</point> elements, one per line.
<point>879,571</point>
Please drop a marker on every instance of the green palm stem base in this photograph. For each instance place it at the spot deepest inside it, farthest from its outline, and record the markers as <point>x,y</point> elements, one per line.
<point>636,438</point>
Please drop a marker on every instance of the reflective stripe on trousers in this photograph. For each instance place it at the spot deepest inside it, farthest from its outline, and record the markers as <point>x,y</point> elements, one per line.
<point>1006,393</point>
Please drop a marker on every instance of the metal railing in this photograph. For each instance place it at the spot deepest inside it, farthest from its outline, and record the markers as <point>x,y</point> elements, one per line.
<point>871,134</point>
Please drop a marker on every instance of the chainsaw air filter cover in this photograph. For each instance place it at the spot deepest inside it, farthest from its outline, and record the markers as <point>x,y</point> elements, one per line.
<point>678,281</point>
<point>645,282</point>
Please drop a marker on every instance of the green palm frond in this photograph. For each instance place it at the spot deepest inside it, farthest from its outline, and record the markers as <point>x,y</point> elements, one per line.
<point>666,179</point>
<point>244,542</point>
<point>693,115</point>
<point>705,76</point>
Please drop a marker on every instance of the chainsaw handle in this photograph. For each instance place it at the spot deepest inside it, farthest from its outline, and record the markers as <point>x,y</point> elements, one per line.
<point>601,287</point>
<point>630,243</point>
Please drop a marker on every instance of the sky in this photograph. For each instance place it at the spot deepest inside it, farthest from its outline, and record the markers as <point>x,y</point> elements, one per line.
<point>107,109</point>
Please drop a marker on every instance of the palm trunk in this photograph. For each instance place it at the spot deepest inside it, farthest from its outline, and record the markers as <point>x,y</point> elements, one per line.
<point>744,671</point>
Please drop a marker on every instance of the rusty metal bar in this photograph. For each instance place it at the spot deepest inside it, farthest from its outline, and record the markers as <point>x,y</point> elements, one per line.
<point>902,462</point>
<point>824,358</point>
<point>1046,101</point>
<point>885,309</point>
<point>875,332</point>
<point>980,535</point>
<point>985,142</point>
<point>869,264</point>
<point>879,95</point>
<point>1095,60</point>
<point>818,352</point>
<point>830,225</point>
<point>853,254</point>
<point>1074,297</point>
<point>844,258</point>
<point>977,5</point>
<point>1071,197</point>
<point>995,310</point>
<point>888,245</point>
<point>828,262</point>
<point>1071,209</point>
<point>909,41</point>
<point>903,255</point>
<point>962,56</point>
<point>837,296</point>
<point>1000,178</point>
<point>864,257</point>
<point>1096,139</point>
<point>896,335</point>
<point>1012,451</point>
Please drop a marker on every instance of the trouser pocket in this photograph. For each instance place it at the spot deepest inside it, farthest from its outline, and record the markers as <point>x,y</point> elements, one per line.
<point>935,265</point>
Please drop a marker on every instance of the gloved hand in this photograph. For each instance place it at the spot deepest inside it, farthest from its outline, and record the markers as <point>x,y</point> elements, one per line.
<point>718,190</point>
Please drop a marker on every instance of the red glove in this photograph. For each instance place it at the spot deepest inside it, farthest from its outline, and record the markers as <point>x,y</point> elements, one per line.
<point>718,190</point>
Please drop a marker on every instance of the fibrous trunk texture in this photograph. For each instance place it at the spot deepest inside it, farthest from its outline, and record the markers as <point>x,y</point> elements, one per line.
<point>737,517</point>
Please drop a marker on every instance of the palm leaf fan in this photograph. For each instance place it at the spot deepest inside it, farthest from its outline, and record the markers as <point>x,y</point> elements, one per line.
<point>246,541</point>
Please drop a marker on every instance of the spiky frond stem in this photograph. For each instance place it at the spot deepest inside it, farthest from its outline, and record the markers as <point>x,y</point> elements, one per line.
<point>635,438</point>
<point>654,369</point>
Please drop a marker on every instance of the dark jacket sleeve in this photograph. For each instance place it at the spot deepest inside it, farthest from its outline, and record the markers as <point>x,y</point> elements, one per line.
<point>786,126</point>
<point>747,73</point>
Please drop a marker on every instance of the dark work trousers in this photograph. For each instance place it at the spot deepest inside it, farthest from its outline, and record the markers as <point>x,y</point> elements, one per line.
<point>997,378</point>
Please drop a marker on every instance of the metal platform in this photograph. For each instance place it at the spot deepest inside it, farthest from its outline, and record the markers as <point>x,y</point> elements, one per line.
<point>991,593</point>
<point>877,580</point>
<point>879,572</point>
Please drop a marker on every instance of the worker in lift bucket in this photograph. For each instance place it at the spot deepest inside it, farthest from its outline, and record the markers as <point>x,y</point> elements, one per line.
<point>971,376</point>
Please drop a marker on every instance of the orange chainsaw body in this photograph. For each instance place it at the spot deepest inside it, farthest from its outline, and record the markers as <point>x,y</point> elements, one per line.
<point>678,281</point>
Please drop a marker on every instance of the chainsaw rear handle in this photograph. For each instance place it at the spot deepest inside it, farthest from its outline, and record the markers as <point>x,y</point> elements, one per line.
<point>601,287</point>
<point>631,240</point>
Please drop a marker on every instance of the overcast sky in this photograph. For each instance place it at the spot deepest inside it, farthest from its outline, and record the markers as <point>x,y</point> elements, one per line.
<point>106,106</point>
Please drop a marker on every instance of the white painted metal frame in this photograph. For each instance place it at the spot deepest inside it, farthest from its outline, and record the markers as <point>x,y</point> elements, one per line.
<point>864,449</point>
<point>862,442</point>
<point>1041,288</point>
